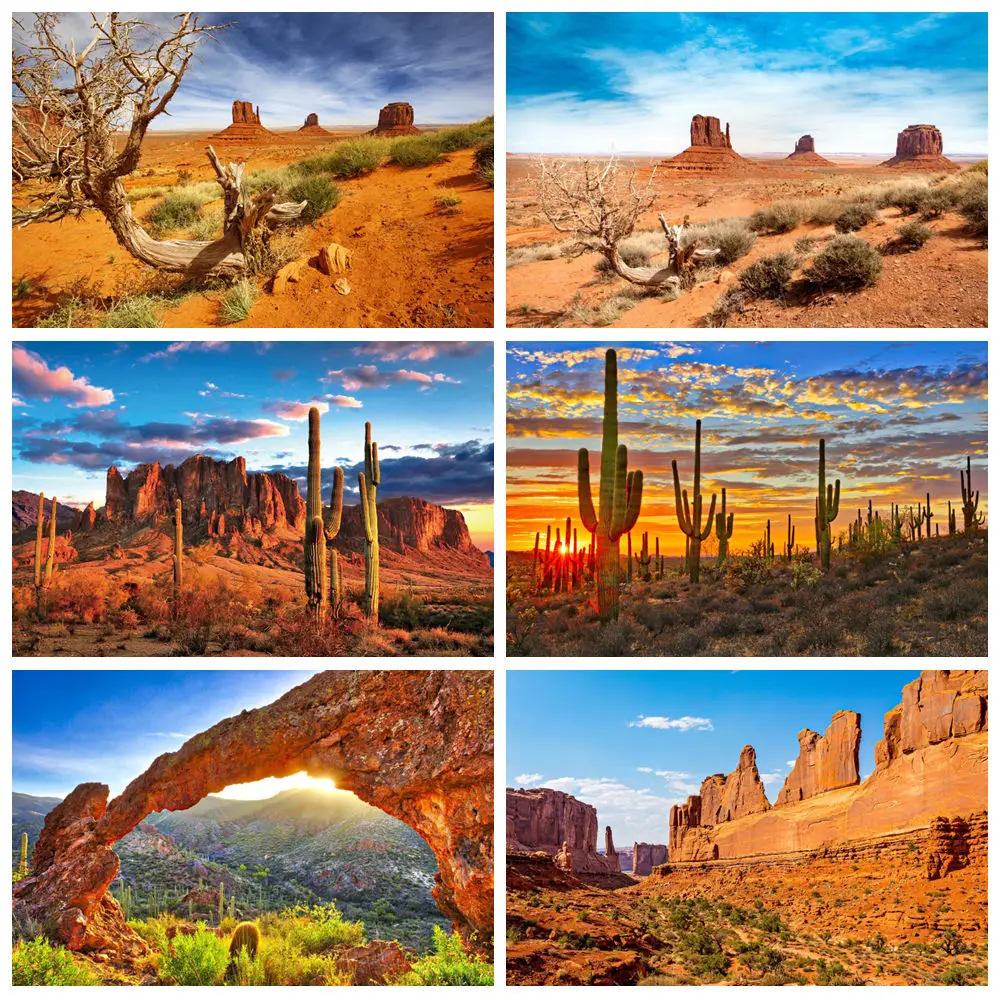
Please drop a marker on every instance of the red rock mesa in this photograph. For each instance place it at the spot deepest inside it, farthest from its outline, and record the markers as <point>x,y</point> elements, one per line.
<point>919,147</point>
<point>395,119</point>
<point>710,149</point>
<point>311,126</point>
<point>805,154</point>
<point>245,126</point>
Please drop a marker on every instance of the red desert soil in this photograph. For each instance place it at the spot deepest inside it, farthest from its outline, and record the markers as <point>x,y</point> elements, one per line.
<point>942,285</point>
<point>413,264</point>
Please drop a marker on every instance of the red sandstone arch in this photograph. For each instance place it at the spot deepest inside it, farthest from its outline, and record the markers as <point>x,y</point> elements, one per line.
<point>416,744</point>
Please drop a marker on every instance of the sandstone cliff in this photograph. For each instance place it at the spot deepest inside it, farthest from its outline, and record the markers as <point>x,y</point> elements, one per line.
<point>824,762</point>
<point>711,149</point>
<point>395,119</point>
<point>646,856</point>
<point>245,126</point>
<point>920,147</point>
<point>805,154</point>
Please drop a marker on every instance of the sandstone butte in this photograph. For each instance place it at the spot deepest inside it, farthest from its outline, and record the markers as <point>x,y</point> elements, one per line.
<point>311,126</point>
<point>805,154</point>
<point>245,126</point>
<point>416,744</point>
<point>711,149</point>
<point>645,857</point>
<point>932,760</point>
<point>561,826</point>
<point>395,119</point>
<point>920,147</point>
<point>221,499</point>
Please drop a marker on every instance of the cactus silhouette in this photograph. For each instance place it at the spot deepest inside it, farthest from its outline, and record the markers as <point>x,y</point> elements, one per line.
<point>318,532</point>
<point>827,509</point>
<point>790,544</point>
<point>723,530</point>
<point>689,514</point>
<point>620,496</point>
<point>970,504</point>
<point>368,483</point>
<point>927,515</point>
<point>644,558</point>
<point>178,553</point>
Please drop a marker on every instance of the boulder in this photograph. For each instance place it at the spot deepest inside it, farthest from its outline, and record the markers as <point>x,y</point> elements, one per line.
<point>377,963</point>
<point>824,762</point>
<point>920,147</point>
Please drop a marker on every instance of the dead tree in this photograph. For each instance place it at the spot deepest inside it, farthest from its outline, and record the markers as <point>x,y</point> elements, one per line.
<point>601,205</point>
<point>70,108</point>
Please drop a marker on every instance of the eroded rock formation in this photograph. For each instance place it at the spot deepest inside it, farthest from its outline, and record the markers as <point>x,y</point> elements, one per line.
<point>311,126</point>
<point>711,149</point>
<point>395,119</point>
<point>244,113</point>
<point>824,762</point>
<point>245,126</point>
<point>85,519</point>
<point>920,147</point>
<point>543,819</point>
<point>805,153</point>
<point>646,856</point>
<point>416,744</point>
<point>933,756</point>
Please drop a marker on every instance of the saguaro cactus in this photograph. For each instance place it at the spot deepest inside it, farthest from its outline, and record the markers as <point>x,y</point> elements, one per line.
<point>951,520</point>
<point>178,551</point>
<point>970,503</point>
<point>22,867</point>
<point>827,509</point>
<point>927,515</point>
<point>790,544</point>
<point>723,530</point>
<point>620,496</point>
<point>644,573</point>
<point>368,482</point>
<point>688,514</point>
<point>534,562</point>
<point>318,532</point>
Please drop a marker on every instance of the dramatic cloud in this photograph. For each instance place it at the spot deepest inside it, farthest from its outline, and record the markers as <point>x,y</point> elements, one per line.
<point>527,780</point>
<point>685,723</point>
<point>293,411</point>
<point>185,345</point>
<point>34,379</point>
<point>346,402</point>
<point>393,350</point>
<point>369,377</point>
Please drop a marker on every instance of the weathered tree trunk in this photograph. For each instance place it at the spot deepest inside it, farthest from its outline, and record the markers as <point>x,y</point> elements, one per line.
<point>679,269</point>
<point>239,249</point>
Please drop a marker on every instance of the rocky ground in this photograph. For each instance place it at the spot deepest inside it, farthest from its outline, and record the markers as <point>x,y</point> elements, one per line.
<point>874,921</point>
<point>928,599</point>
<point>943,284</point>
<point>414,264</point>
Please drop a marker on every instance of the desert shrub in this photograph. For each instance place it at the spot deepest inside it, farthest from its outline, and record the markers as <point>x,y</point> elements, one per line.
<point>139,193</point>
<point>238,301</point>
<point>420,151</point>
<point>284,964</point>
<point>484,160</point>
<point>633,255</point>
<point>845,262</point>
<point>913,234</point>
<point>353,158</point>
<point>982,167</point>
<point>449,965</point>
<point>319,928</point>
<point>733,301</point>
<point>175,210</point>
<point>781,217</point>
<point>937,201</point>
<point>247,970</point>
<point>536,251</point>
<point>83,595</point>
<point>319,193</point>
<point>448,200</point>
<point>906,197</point>
<point>768,277</point>
<point>974,206</point>
<point>805,244</point>
<point>134,312</point>
<point>195,960</point>
<point>37,963</point>
<point>855,216</point>
<point>730,237</point>
<point>207,227</point>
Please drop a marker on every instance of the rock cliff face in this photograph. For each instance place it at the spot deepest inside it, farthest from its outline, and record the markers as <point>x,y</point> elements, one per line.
<point>805,144</point>
<point>24,512</point>
<point>824,762</point>
<point>711,149</point>
<point>311,126</point>
<point>805,154</point>
<point>395,119</point>
<point>920,147</point>
<point>542,819</point>
<point>85,519</point>
<point>932,759</point>
<point>646,856</point>
<point>244,113</point>
<point>205,487</point>
<point>416,744</point>
<point>245,126</point>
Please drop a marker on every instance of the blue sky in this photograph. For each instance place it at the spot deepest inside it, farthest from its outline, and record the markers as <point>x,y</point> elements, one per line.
<point>635,742</point>
<point>72,726</point>
<point>342,66</point>
<point>81,407</point>
<point>590,83</point>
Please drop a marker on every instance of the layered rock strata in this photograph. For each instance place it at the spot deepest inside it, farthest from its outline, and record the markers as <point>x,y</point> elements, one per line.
<point>395,119</point>
<point>805,153</point>
<point>645,857</point>
<point>824,762</point>
<point>711,149</point>
<point>920,147</point>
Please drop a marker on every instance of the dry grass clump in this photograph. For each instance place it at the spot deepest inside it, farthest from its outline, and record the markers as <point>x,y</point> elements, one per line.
<point>537,251</point>
<point>768,277</point>
<point>845,262</point>
<point>781,217</point>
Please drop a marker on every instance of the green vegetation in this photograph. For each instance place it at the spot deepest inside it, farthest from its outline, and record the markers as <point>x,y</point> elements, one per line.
<point>845,262</point>
<point>913,234</point>
<point>449,965</point>
<point>178,209</point>
<point>731,237</point>
<point>768,277</point>
<point>37,963</point>
<point>238,301</point>
<point>141,311</point>
<point>354,158</point>
<point>781,217</point>
<point>855,216</point>
<point>198,959</point>
<point>320,194</point>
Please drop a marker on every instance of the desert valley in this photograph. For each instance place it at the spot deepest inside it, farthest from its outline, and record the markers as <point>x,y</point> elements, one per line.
<point>190,552</point>
<point>266,211</point>
<point>745,219</point>
<point>840,878</point>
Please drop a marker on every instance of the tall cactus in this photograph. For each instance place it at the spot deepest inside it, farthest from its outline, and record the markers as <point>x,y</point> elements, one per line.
<point>22,867</point>
<point>368,482</point>
<point>927,515</point>
<point>534,562</point>
<point>620,496</point>
<point>827,509</point>
<point>689,514</point>
<point>318,531</point>
<point>644,558</point>
<point>790,544</point>
<point>951,520</point>
<point>723,530</point>
<point>50,556</point>
<point>178,552</point>
<point>970,504</point>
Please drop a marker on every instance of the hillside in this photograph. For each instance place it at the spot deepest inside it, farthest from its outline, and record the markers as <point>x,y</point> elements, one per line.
<point>24,512</point>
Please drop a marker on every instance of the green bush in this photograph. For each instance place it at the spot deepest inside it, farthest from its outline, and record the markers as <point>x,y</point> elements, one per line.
<point>176,210</point>
<point>195,960</point>
<point>906,197</point>
<point>238,301</point>
<point>323,928</point>
<point>37,963</point>
<point>855,217</point>
<point>319,193</point>
<point>484,160</point>
<point>937,201</point>
<point>781,217</point>
<point>845,262</point>
<point>449,965</point>
<point>420,151</point>
<point>353,158</point>
<point>974,206</point>
<point>913,234</point>
<point>768,277</point>
<point>730,237</point>
<point>137,312</point>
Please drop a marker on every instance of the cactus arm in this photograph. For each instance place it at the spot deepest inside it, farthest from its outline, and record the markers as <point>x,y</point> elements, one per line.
<point>39,535</point>
<point>711,518</point>
<point>365,509</point>
<point>51,555</point>
<point>681,503</point>
<point>634,502</point>
<point>587,513</point>
<point>335,512</point>
<point>620,494</point>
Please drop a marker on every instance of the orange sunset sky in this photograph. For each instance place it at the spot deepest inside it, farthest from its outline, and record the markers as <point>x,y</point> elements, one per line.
<point>898,419</point>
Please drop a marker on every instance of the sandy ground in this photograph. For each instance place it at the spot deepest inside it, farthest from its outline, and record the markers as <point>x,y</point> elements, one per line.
<point>414,264</point>
<point>942,285</point>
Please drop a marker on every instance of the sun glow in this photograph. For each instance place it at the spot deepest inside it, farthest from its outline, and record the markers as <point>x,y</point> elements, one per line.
<point>268,787</point>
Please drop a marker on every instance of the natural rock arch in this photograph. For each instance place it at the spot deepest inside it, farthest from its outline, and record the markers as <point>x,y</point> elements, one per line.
<point>416,744</point>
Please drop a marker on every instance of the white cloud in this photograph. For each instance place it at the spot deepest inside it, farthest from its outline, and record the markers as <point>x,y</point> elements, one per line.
<point>17,402</point>
<point>685,723</point>
<point>645,770</point>
<point>673,775</point>
<point>772,777</point>
<point>526,780</point>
